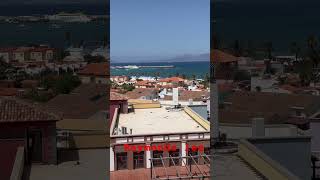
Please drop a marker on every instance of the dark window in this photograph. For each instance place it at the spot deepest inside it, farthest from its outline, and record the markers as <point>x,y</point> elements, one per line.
<point>175,154</point>
<point>206,155</point>
<point>138,158</point>
<point>92,79</point>
<point>157,154</point>
<point>192,153</point>
<point>122,160</point>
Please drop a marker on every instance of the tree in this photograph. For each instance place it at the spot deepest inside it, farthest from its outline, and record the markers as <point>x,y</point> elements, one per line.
<point>193,77</point>
<point>94,59</point>
<point>306,72</point>
<point>269,50</point>
<point>6,69</point>
<point>295,49</point>
<point>313,52</point>
<point>258,88</point>
<point>67,38</point>
<point>241,75</point>
<point>237,48</point>
<point>127,87</point>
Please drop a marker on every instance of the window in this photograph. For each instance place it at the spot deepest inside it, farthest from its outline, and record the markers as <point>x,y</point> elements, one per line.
<point>138,160</point>
<point>192,153</point>
<point>122,160</point>
<point>174,154</point>
<point>92,79</point>
<point>157,154</point>
<point>206,155</point>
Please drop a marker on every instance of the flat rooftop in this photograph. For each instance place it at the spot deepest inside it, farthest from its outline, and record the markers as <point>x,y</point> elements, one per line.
<point>230,166</point>
<point>92,166</point>
<point>158,120</point>
<point>201,110</point>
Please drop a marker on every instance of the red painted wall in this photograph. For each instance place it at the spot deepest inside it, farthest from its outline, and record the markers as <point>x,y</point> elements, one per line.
<point>17,130</point>
<point>8,150</point>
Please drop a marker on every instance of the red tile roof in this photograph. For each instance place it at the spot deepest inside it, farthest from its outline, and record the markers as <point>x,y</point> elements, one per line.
<point>194,95</point>
<point>12,110</point>
<point>274,107</point>
<point>117,96</point>
<point>222,57</point>
<point>8,91</point>
<point>139,92</point>
<point>7,49</point>
<point>95,69</point>
<point>172,79</point>
<point>82,103</point>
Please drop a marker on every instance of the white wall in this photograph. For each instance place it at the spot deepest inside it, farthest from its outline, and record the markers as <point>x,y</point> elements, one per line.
<point>237,132</point>
<point>183,103</point>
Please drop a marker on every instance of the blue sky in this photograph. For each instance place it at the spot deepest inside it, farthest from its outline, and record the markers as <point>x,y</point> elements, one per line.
<point>158,29</point>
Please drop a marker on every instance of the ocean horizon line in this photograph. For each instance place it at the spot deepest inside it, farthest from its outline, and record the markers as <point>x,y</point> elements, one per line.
<point>178,61</point>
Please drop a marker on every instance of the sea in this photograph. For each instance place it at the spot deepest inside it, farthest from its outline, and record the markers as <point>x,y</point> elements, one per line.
<point>52,33</point>
<point>188,69</point>
<point>279,21</point>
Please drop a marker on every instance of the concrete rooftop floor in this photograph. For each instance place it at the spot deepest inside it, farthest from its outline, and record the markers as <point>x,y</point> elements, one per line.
<point>158,120</point>
<point>93,165</point>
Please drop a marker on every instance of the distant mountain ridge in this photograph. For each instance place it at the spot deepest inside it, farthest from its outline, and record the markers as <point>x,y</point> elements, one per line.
<point>181,58</point>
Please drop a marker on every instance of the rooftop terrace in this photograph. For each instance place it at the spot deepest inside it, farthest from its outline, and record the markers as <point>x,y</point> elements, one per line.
<point>158,120</point>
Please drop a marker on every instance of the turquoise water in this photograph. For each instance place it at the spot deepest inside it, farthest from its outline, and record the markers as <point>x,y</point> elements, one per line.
<point>199,69</point>
<point>281,22</point>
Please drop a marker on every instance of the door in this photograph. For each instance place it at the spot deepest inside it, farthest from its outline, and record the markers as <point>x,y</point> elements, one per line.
<point>35,145</point>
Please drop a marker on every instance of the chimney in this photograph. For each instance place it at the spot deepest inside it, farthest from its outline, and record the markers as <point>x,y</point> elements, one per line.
<point>190,102</point>
<point>175,96</point>
<point>258,129</point>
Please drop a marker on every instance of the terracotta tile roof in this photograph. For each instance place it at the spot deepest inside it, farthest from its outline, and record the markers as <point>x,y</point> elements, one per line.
<point>117,97</point>
<point>138,92</point>
<point>274,107</point>
<point>289,88</point>
<point>222,57</point>
<point>95,69</point>
<point>82,103</point>
<point>12,110</point>
<point>7,49</point>
<point>194,95</point>
<point>172,79</point>
<point>8,91</point>
<point>41,49</point>
<point>143,83</point>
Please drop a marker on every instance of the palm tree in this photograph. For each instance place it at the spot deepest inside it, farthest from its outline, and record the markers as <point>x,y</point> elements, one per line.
<point>269,50</point>
<point>313,50</point>
<point>295,48</point>
<point>67,37</point>
<point>237,48</point>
